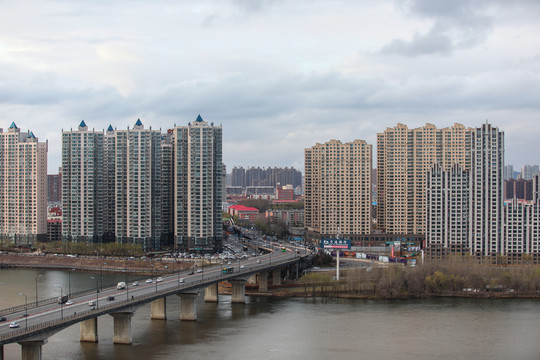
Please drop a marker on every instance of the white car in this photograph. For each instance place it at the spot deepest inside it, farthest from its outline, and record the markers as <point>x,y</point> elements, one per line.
<point>181,280</point>
<point>199,270</point>
<point>136,283</point>
<point>69,302</point>
<point>14,325</point>
<point>242,267</point>
<point>159,279</point>
<point>149,281</point>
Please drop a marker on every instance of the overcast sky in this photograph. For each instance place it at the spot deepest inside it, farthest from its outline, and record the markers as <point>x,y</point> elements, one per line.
<point>279,76</point>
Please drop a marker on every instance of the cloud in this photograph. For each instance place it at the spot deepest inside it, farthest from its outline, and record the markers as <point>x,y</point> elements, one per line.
<point>456,24</point>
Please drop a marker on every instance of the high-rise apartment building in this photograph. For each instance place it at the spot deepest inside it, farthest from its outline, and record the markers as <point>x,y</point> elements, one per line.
<point>528,171</point>
<point>198,186</point>
<point>473,195</point>
<point>23,187</point>
<point>338,188</point>
<point>487,160</point>
<point>54,187</point>
<point>82,185</point>
<point>448,202</point>
<point>256,176</point>
<point>508,172</point>
<point>404,158</point>
<point>138,186</point>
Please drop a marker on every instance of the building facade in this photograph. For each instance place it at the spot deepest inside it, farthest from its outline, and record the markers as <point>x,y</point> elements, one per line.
<point>404,157</point>
<point>338,188</point>
<point>23,187</point>
<point>82,185</point>
<point>198,186</point>
<point>487,160</point>
<point>138,186</point>
<point>447,201</point>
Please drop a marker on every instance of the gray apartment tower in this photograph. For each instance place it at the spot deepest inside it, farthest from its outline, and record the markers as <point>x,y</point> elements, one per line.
<point>82,185</point>
<point>144,187</point>
<point>198,186</point>
<point>480,186</point>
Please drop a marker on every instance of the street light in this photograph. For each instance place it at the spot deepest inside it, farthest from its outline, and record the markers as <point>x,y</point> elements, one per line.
<point>69,281</point>
<point>25,309</point>
<point>37,277</point>
<point>101,274</point>
<point>61,302</point>
<point>97,289</point>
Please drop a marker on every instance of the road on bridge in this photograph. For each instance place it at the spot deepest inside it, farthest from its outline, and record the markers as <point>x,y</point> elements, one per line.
<point>135,295</point>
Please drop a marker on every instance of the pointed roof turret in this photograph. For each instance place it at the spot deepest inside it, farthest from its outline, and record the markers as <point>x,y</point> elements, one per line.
<point>31,135</point>
<point>82,126</point>
<point>13,126</point>
<point>138,123</point>
<point>110,128</point>
<point>199,118</point>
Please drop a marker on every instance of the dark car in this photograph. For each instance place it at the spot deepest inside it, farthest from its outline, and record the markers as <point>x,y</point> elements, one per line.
<point>110,298</point>
<point>2,318</point>
<point>190,273</point>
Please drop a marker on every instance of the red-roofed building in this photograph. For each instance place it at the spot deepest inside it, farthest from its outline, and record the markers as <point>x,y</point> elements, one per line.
<point>244,212</point>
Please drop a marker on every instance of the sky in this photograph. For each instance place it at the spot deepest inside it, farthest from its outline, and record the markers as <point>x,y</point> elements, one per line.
<point>279,76</point>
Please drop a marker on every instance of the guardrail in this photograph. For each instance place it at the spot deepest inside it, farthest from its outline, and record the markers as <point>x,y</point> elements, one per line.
<point>68,320</point>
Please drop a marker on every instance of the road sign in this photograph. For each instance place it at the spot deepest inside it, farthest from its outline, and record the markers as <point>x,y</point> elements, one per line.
<point>335,244</point>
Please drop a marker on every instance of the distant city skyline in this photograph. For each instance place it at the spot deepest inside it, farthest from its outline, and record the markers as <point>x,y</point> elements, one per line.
<point>278,76</point>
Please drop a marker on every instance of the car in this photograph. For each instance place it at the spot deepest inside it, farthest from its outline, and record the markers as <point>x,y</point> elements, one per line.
<point>14,325</point>
<point>136,283</point>
<point>69,302</point>
<point>258,261</point>
<point>93,307</point>
<point>242,267</point>
<point>181,280</point>
<point>149,281</point>
<point>2,318</point>
<point>92,303</point>
<point>159,279</point>
<point>199,270</point>
<point>191,272</point>
<point>110,298</point>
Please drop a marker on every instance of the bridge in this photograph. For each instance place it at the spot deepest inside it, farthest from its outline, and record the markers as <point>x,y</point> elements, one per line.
<point>38,321</point>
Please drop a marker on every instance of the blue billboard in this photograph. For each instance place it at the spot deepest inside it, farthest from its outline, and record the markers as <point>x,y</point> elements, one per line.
<point>335,244</point>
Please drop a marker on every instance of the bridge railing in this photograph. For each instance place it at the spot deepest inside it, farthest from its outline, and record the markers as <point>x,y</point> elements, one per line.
<point>68,320</point>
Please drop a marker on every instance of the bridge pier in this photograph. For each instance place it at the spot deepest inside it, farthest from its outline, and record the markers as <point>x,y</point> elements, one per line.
<point>89,330</point>
<point>252,279</point>
<point>188,308</point>
<point>276,277</point>
<point>122,328</point>
<point>263,281</point>
<point>1,352</point>
<point>238,291</point>
<point>158,309</point>
<point>211,293</point>
<point>31,350</point>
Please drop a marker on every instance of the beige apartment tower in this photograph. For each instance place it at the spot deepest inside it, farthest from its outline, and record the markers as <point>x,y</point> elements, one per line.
<point>23,187</point>
<point>404,159</point>
<point>338,188</point>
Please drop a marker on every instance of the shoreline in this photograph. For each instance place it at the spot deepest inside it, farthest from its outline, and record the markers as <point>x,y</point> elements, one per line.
<point>146,267</point>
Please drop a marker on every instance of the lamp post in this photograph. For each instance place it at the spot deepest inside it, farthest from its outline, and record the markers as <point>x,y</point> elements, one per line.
<point>61,302</point>
<point>69,282</point>
<point>101,274</point>
<point>97,289</point>
<point>25,309</point>
<point>37,277</point>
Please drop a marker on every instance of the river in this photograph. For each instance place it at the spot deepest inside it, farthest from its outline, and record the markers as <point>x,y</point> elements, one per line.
<point>274,328</point>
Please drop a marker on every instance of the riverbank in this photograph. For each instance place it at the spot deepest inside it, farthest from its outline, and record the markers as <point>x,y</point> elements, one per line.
<point>38,261</point>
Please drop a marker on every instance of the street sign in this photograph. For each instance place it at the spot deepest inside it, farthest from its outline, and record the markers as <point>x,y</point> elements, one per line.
<point>335,244</point>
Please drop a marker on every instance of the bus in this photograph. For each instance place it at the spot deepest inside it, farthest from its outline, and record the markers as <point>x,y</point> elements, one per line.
<point>227,270</point>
